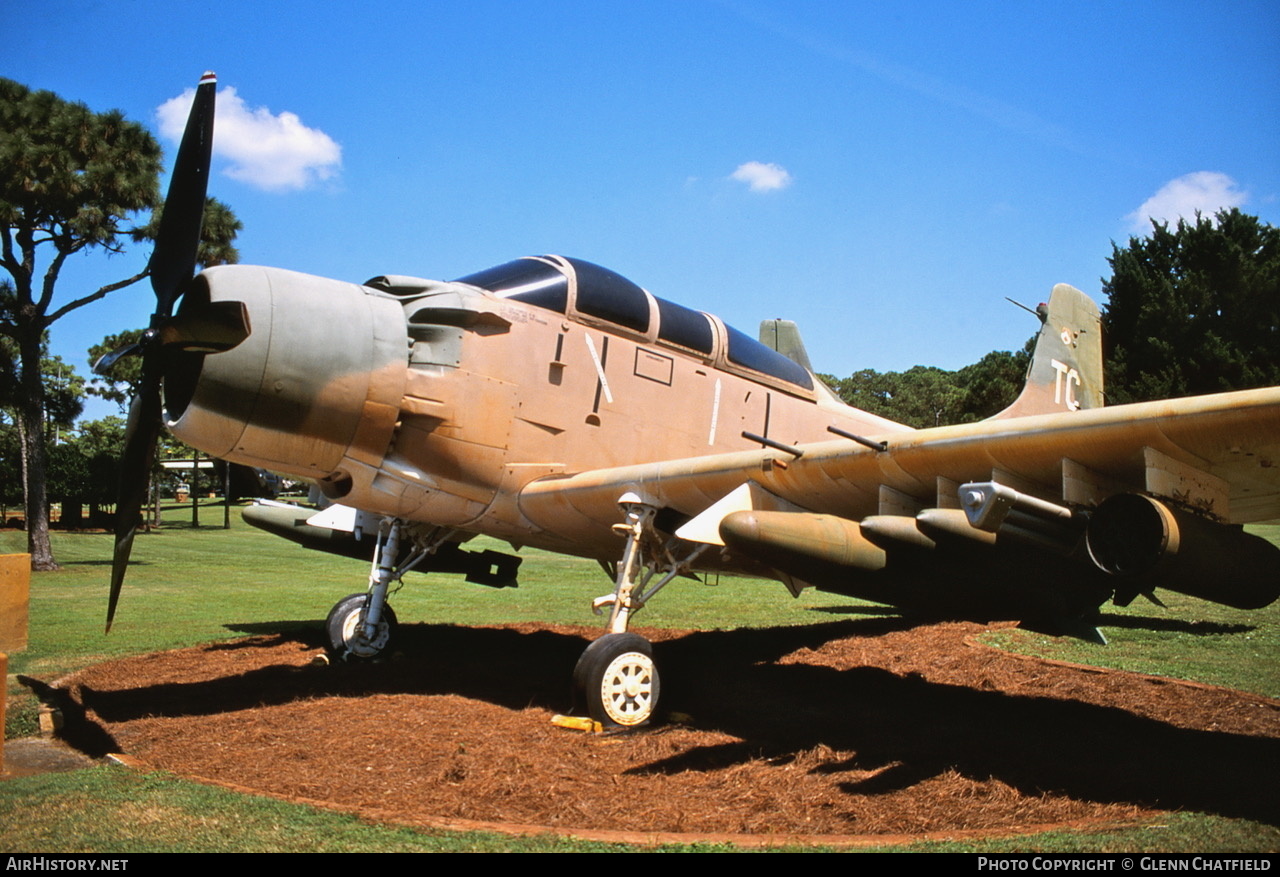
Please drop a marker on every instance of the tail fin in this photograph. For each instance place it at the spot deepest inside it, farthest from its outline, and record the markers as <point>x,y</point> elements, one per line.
<point>784,337</point>
<point>1066,365</point>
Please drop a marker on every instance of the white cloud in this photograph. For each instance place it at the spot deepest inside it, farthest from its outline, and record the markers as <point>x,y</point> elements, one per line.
<point>1205,191</point>
<point>268,151</point>
<point>761,177</point>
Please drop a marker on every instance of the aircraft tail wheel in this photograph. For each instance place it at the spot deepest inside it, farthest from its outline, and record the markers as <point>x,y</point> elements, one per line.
<point>345,629</point>
<point>619,680</point>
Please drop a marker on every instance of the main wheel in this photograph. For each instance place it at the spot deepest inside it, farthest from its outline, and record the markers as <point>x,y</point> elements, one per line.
<point>345,629</point>
<point>617,676</point>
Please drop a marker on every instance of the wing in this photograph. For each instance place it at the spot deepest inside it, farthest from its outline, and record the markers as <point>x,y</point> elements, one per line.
<point>1211,459</point>
<point>1219,453</point>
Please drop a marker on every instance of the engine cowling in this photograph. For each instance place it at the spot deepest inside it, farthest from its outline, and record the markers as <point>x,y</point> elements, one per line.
<point>319,377</point>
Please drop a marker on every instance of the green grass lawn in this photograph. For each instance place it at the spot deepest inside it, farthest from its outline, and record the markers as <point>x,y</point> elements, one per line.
<point>1189,639</point>
<point>192,586</point>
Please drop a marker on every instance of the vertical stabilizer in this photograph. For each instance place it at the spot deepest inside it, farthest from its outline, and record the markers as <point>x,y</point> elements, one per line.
<point>784,337</point>
<point>1066,365</point>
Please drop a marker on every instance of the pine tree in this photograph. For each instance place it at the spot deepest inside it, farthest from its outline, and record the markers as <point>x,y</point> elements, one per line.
<point>71,180</point>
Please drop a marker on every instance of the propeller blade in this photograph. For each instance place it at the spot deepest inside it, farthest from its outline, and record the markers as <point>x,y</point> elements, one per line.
<point>212,327</point>
<point>135,475</point>
<point>173,261</point>
<point>104,363</point>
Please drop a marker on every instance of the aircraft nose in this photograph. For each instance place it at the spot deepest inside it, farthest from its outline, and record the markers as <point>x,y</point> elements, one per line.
<point>319,377</point>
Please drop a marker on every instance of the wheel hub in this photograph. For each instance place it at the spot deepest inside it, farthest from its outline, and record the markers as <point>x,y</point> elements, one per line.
<point>627,692</point>
<point>357,643</point>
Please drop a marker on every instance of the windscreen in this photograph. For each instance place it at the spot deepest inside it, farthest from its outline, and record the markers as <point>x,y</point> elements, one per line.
<point>527,280</point>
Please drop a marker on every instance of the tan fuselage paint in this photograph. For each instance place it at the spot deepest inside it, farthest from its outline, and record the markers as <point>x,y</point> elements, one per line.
<point>553,396</point>
<point>327,387</point>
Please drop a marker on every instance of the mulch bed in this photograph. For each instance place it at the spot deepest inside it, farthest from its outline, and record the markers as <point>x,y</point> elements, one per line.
<point>865,727</point>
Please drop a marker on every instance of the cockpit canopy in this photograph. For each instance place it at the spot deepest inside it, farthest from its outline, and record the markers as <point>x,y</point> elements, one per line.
<point>583,290</point>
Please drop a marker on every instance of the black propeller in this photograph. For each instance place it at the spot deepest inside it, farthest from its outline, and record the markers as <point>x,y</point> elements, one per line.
<point>173,262</point>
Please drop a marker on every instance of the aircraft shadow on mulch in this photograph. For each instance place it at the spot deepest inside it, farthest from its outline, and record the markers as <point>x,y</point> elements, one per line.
<point>903,729</point>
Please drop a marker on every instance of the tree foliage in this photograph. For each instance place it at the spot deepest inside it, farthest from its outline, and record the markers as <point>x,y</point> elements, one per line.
<point>64,392</point>
<point>125,378</point>
<point>69,177</point>
<point>924,396</point>
<point>81,467</point>
<point>71,180</point>
<point>217,233</point>
<point>63,402</point>
<point>63,387</point>
<point>993,382</point>
<point>92,461</point>
<point>1194,309</point>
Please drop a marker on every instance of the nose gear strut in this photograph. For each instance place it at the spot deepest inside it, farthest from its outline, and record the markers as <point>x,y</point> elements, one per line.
<point>362,626</point>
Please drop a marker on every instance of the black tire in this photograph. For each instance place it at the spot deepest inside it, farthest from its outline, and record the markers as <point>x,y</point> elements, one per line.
<point>617,677</point>
<point>343,629</point>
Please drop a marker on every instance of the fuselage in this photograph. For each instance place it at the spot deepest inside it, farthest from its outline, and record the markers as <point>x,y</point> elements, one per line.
<point>439,401</point>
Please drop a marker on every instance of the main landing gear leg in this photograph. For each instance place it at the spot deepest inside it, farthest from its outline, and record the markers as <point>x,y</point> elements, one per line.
<point>616,674</point>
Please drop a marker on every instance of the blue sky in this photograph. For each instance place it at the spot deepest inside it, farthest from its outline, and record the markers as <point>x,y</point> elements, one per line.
<point>885,174</point>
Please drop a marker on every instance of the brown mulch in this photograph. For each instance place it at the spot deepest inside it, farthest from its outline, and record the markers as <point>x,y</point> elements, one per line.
<point>864,727</point>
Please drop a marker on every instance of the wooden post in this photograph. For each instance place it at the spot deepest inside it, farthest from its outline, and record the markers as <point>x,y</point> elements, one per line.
<point>15,590</point>
<point>4,693</point>
<point>195,489</point>
<point>15,596</point>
